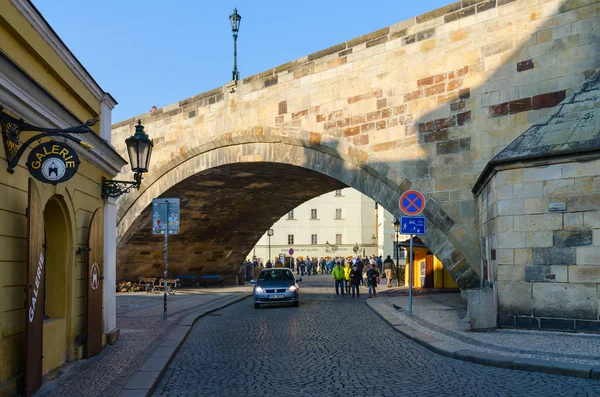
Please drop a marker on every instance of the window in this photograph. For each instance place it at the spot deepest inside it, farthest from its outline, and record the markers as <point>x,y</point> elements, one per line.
<point>275,274</point>
<point>313,239</point>
<point>338,213</point>
<point>338,192</point>
<point>338,239</point>
<point>291,214</point>
<point>313,213</point>
<point>290,239</point>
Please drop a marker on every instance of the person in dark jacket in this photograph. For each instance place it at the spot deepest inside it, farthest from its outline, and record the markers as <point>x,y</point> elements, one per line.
<point>372,275</point>
<point>355,278</point>
<point>361,267</point>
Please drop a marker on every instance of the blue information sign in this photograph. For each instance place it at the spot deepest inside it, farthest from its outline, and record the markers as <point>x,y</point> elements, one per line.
<point>165,215</point>
<point>412,225</point>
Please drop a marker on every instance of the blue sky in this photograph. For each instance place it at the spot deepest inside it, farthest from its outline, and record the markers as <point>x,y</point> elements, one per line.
<point>159,52</point>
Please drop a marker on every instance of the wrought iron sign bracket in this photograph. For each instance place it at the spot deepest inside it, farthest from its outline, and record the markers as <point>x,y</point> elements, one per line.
<point>114,188</point>
<point>11,131</point>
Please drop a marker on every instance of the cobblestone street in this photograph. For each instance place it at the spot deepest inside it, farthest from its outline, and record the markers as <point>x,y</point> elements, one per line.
<point>139,317</point>
<point>332,346</point>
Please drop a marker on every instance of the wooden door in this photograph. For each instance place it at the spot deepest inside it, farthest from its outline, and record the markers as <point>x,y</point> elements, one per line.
<point>429,270</point>
<point>94,294</point>
<point>34,291</point>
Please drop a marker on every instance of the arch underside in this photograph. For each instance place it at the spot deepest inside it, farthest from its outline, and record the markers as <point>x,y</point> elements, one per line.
<point>232,191</point>
<point>224,212</point>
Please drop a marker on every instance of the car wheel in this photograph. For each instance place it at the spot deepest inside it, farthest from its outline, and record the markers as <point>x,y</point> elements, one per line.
<point>257,305</point>
<point>297,303</point>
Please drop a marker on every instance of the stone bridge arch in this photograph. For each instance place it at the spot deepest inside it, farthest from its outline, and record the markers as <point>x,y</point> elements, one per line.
<point>251,155</point>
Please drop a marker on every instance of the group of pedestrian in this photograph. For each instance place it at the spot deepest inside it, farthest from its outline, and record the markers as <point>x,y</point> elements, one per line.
<point>251,269</point>
<point>350,275</point>
<point>311,266</point>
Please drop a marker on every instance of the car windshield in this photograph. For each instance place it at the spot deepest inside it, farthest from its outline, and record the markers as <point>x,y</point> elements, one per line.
<point>277,274</point>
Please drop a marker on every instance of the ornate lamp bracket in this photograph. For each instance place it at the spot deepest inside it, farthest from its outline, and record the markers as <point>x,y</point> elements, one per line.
<point>11,132</point>
<point>114,188</point>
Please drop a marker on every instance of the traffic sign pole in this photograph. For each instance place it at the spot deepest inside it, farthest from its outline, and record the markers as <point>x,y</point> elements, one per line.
<point>410,275</point>
<point>166,265</point>
<point>412,202</point>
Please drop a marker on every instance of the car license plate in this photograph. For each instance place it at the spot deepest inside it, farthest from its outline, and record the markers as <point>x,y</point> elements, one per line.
<point>276,296</point>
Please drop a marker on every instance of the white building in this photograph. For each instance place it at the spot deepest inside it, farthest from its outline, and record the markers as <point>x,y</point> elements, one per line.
<point>333,224</point>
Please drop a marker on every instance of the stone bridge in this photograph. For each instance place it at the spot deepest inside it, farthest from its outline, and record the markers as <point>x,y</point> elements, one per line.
<point>423,104</point>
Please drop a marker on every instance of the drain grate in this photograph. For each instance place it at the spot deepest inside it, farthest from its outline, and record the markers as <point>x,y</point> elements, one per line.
<point>215,314</point>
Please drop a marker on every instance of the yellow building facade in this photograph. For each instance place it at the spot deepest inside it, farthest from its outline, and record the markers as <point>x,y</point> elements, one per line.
<point>428,270</point>
<point>42,83</point>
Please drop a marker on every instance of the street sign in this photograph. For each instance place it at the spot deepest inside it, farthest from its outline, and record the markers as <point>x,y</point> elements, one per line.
<point>165,220</point>
<point>291,251</point>
<point>412,202</point>
<point>412,225</point>
<point>165,215</point>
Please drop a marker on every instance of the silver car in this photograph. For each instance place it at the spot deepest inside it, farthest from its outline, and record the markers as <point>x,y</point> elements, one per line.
<point>276,286</point>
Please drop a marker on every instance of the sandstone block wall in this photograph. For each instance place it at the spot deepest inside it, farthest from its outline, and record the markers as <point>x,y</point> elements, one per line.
<point>546,264</point>
<point>425,103</point>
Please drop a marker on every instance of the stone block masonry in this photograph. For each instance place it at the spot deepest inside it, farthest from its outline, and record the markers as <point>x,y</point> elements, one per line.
<point>548,269</point>
<point>417,92</point>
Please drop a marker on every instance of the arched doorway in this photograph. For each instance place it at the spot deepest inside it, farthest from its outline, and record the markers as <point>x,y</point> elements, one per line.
<point>59,257</point>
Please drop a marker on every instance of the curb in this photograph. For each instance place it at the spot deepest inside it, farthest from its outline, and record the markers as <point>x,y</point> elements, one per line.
<point>448,349</point>
<point>145,380</point>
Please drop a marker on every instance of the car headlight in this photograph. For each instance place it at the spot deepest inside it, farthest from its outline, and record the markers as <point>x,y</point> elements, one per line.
<point>292,288</point>
<point>259,290</point>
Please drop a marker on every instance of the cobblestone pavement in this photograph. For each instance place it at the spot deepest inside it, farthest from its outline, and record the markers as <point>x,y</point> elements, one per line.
<point>444,316</point>
<point>139,318</point>
<point>332,346</point>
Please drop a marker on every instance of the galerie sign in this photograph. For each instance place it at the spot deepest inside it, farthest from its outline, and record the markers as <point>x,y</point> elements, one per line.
<point>53,162</point>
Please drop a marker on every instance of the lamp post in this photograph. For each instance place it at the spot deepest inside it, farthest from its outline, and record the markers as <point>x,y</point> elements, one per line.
<point>139,147</point>
<point>373,241</point>
<point>397,230</point>
<point>270,232</point>
<point>235,20</point>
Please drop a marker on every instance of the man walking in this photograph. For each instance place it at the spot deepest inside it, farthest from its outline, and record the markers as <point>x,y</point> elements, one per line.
<point>308,265</point>
<point>355,277</point>
<point>379,263</point>
<point>361,267</point>
<point>372,275</point>
<point>388,268</point>
<point>338,276</point>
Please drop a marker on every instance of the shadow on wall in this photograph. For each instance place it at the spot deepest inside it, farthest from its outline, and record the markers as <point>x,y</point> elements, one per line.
<point>480,108</point>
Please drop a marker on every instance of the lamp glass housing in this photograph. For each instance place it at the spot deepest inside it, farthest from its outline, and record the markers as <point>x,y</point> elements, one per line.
<point>397,225</point>
<point>139,147</point>
<point>236,20</point>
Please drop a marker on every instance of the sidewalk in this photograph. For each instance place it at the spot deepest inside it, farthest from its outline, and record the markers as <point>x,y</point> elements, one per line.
<point>439,323</point>
<point>145,346</point>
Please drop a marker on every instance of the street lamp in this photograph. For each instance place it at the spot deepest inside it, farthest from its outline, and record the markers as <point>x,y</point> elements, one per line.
<point>355,248</point>
<point>397,229</point>
<point>139,147</point>
<point>327,245</point>
<point>270,232</point>
<point>235,20</point>
<point>374,242</point>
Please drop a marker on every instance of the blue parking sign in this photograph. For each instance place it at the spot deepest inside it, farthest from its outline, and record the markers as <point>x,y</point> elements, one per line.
<point>412,225</point>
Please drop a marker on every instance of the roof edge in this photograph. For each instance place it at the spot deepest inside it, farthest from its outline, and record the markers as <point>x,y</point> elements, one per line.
<point>491,167</point>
